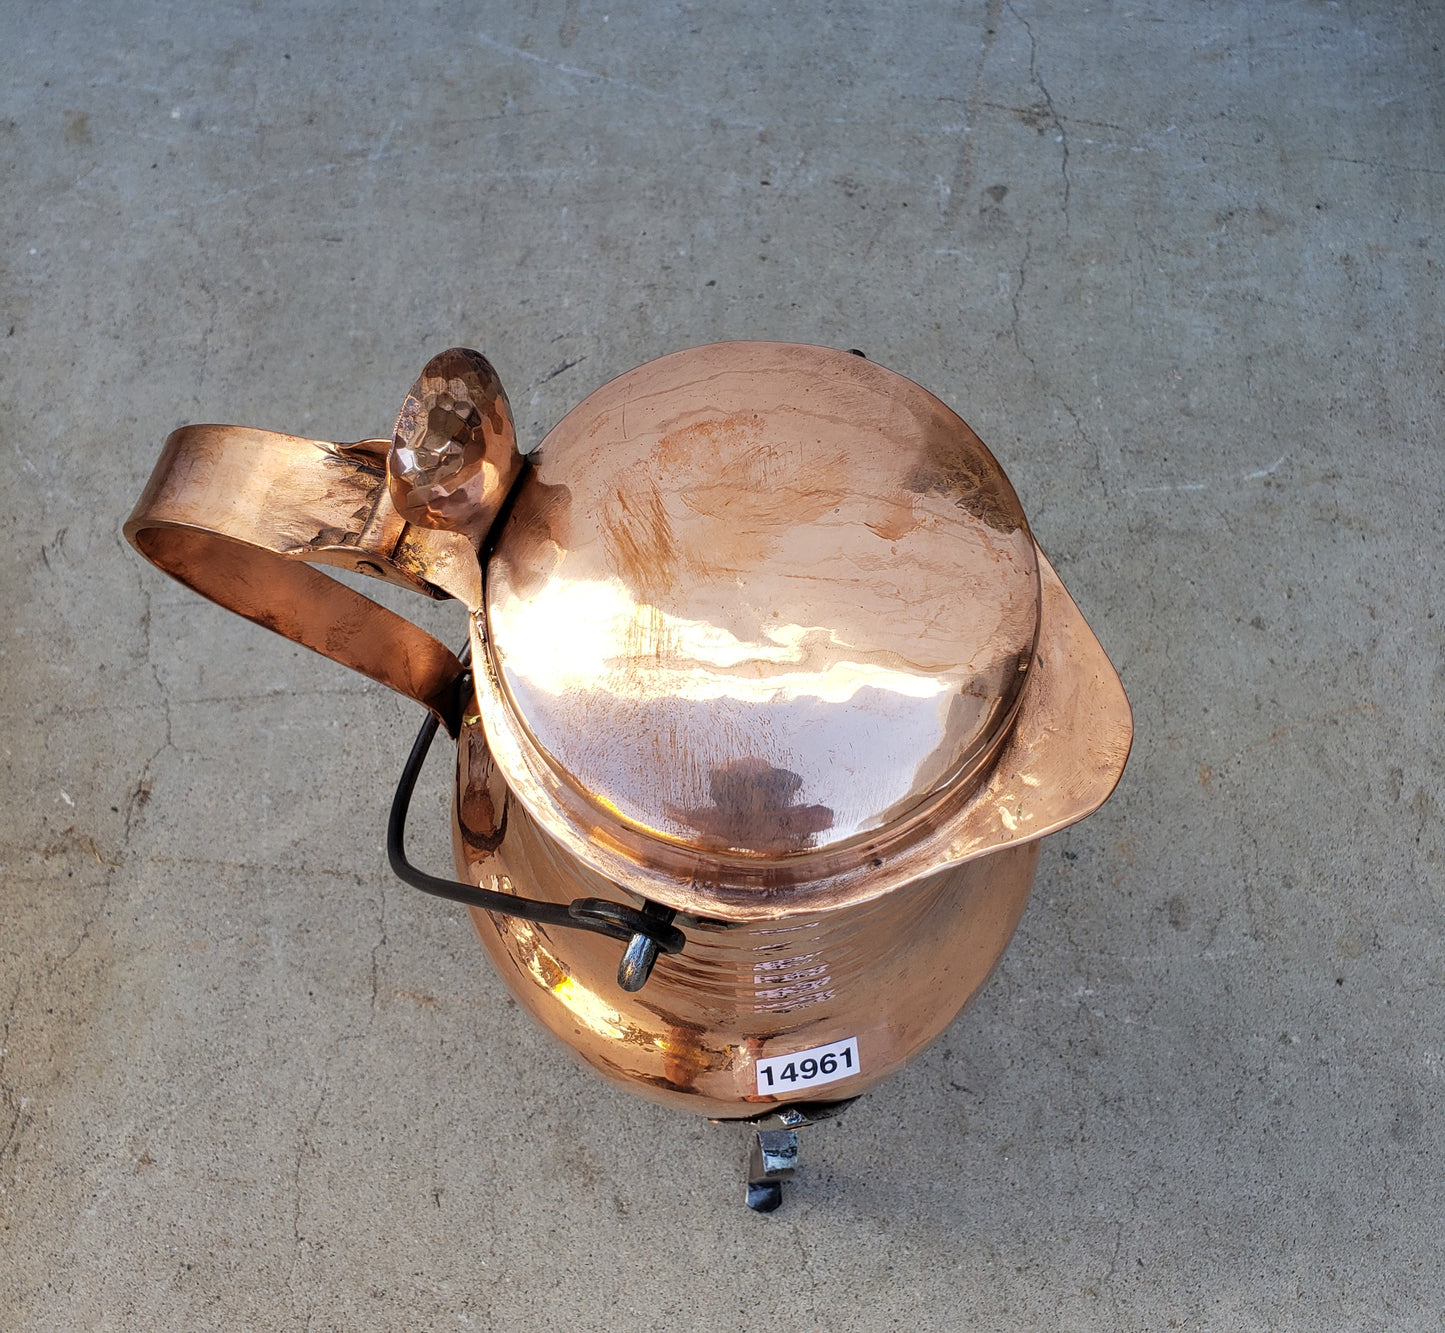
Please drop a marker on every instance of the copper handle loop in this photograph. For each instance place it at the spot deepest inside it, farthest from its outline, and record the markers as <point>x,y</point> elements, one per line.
<point>242,515</point>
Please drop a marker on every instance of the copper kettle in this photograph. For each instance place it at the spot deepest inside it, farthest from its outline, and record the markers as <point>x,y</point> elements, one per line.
<point>771,698</point>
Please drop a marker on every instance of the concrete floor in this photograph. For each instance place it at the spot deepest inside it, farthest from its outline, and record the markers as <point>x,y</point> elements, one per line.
<point>1179,265</point>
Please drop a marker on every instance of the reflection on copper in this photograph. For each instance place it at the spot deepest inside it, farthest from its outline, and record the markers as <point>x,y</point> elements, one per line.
<point>784,556</point>
<point>454,453</point>
<point>537,510</point>
<point>892,973</point>
<point>966,477</point>
<point>245,517</point>
<point>784,985</point>
<point>754,807</point>
<point>480,806</point>
<point>565,636</point>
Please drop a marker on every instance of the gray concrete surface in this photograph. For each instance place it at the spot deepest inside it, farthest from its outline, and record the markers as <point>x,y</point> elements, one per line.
<point>1178,263</point>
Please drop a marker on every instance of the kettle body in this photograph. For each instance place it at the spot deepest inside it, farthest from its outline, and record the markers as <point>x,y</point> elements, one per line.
<point>746,1016</point>
<point>768,678</point>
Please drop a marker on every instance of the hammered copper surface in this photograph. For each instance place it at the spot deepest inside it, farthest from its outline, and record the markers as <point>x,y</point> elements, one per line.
<point>766,640</point>
<point>892,973</point>
<point>777,599</point>
<point>454,456</point>
<point>756,630</point>
<point>1062,758</point>
<point>240,515</point>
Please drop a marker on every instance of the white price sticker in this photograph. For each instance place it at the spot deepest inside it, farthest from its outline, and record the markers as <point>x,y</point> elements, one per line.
<point>808,1069</point>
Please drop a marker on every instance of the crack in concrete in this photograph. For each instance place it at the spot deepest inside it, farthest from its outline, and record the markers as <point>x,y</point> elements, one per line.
<point>10,1094</point>
<point>376,949</point>
<point>304,1145</point>
<point>1057,121</point>
<point>67,710</point>
<point>1054,395</point>
<point>1017,293</point>
<point>1108,1281</point>
<point>963,172</point>
<point>86,925</point>
<point>141,792</point>
<point>1088,440</point>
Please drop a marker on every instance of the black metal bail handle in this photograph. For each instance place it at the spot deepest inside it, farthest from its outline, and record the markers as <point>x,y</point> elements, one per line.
<point>647,932</point>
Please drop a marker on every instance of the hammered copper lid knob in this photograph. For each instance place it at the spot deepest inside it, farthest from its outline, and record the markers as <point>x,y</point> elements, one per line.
<point>454,454</point>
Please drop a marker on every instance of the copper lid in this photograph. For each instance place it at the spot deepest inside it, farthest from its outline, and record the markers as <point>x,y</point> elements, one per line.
<point>758,623</point>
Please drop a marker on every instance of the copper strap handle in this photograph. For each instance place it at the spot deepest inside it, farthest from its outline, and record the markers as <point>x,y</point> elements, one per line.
<point>243,515</point>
